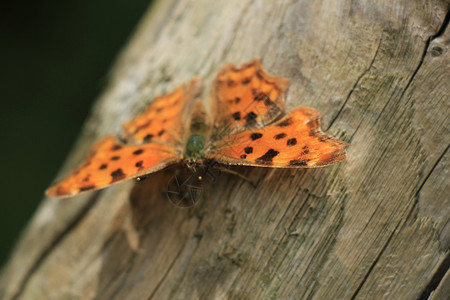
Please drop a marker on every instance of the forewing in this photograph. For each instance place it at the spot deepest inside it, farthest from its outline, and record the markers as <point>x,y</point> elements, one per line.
<point>163,120</point>
<point>246,97</point>
<point>295,141</point>
<point>110,162</point>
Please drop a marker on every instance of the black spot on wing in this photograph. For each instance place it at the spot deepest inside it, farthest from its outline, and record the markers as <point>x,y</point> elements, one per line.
<point>285,123</point>
<point>138,151</point>
<point>236,116</point>
<point>263,97</point>
<point>255,136</point>
<point>267,157</point>
<point>291,142</point>
<point>280,136</point>
<point>139,164</point>
<point>116,147</point>
<point>331,159</point>
<point>148,138</point>
<point>115,158</point>
<point>117,175</point>
<point>298,162</point>
<point>243,156</point>
<point>248,150</point>
<point>161,132</point>
<point>87,188</point>
<point>237,100</point>
<point>246,81</point>
<point>103,166</point>
<point>250,118</point>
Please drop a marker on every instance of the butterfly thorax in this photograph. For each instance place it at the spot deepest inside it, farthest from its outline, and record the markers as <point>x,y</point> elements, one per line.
<point>194,147</point>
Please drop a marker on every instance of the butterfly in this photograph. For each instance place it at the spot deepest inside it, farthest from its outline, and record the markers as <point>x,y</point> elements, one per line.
<point>248,126</point>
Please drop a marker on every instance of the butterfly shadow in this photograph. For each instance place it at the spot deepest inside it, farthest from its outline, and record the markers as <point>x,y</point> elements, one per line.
<point>125,243</point>
<point>147,227</point>
<point>151,233</point>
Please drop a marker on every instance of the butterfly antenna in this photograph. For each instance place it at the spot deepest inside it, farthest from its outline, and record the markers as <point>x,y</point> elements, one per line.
<point>226,170</point>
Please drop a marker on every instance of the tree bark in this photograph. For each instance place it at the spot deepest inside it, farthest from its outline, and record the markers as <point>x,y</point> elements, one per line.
<point>375,226</point>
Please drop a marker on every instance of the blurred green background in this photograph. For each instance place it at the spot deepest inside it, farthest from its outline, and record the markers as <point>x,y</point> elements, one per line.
<point>54,59</point>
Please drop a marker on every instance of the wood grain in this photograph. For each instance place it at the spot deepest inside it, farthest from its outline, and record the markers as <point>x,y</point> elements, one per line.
<point>373,227</point>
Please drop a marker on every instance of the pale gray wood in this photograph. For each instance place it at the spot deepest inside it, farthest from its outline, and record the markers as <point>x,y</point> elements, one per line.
<point>373,227</point>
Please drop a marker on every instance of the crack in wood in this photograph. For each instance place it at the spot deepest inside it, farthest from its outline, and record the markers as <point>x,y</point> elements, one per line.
<point>427,44</point>
<point>285,234</point>
<point>198,237</point>
<point>424,53</point>
<point>46,252</point>
<point>167,272</point>
<point>416,201</point>
<point>285,213</point>
<point>354,133</point>
<point>432,169</point>
<point>354,87</point>
<point>124,274</point>
<point>443,26</point>
<point>436,279</point>
<point>333,238</point>
<point>377,259</point>
<point>440,31</point>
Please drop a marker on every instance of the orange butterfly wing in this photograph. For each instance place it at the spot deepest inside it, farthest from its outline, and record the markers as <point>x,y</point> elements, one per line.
<point>246,97</point>
<point>110,162</point>
<point>163,119</point>
<point>294,141</point>
<point>155,137</point>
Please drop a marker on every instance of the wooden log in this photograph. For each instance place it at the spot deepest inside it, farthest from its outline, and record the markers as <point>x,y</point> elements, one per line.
<point>373,227</point>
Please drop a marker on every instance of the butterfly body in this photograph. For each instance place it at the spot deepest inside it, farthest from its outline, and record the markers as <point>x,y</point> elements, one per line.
<point>247,127</point>
<point>197,134</point>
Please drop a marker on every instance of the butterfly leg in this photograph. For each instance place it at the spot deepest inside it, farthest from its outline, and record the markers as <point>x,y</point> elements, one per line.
<point>184,189</point>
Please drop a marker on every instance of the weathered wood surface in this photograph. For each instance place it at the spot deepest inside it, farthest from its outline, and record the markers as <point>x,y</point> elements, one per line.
<point>373,227</point>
